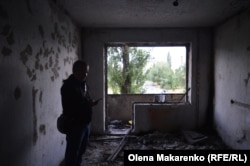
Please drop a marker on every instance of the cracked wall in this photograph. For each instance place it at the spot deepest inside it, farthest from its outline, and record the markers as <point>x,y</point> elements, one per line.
<point>38,45</point>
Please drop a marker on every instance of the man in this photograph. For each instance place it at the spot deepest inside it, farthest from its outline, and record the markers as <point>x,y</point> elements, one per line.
<point>77,105</point>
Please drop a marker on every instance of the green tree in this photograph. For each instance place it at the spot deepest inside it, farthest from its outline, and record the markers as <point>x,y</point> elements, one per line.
<point>162,74</point>
<point>125,72</point>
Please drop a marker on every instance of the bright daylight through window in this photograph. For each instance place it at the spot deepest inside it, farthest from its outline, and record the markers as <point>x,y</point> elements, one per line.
<point>146,70</point>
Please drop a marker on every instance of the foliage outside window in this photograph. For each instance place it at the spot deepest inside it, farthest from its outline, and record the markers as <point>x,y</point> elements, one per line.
<point>146,70</point>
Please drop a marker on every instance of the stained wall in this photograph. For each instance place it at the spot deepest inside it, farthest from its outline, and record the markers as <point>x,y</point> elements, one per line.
<point>232,81</point>
<point>38,44</point>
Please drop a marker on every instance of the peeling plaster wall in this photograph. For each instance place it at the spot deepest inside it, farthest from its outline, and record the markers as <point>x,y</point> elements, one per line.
<point>201,45</point>
<point>232,74</point>
<point>38,44</point>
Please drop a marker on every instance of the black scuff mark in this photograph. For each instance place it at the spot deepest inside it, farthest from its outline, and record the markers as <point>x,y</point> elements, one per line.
<point>29,7</point>
<point>17,93</point>
<point>40,29</point>
<point>35,135</point>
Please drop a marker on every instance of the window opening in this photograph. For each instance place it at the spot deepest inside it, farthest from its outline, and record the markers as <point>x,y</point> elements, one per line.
<point>134,70</point>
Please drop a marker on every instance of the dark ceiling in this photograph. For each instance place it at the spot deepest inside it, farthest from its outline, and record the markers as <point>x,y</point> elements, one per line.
<point>151,13</point>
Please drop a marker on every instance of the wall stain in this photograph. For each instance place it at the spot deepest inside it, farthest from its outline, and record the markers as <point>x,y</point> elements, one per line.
<point>52,78</point>
<point>28,6</point>
<point>42,129</point>
<point>17,93</point>
<point>25,54</point>
<point>46,66</point>
<point>50,61</point>
<point>56,74</point>
<point>6,51</point>
<point>35,135</point>
<point>33,77</point>
<point>47,52</point>
<point>3,13</point>
<point>248,48</point>
<point>247,79</point>
<point>37,65</point>
<point>10,39</point>
<point>29,72</point>
<point>40,29</point>
<point>41,67</point>
<point>41,97</point>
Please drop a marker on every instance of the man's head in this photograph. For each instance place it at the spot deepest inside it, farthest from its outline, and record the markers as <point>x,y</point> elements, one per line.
<point>80,70</point>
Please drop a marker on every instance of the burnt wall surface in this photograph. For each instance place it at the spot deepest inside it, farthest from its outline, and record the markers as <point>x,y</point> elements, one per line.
<point>38,44</point>
<point>232,75</point>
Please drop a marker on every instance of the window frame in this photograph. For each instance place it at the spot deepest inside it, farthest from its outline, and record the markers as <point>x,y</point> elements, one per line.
<point>187,94</point>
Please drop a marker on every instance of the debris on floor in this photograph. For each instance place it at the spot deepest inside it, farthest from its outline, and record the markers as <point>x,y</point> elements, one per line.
<point>101,148</point>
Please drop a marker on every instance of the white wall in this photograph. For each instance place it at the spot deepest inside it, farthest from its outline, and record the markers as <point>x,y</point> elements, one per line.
<point>38,45</point>
<point>232,80</point>
<point>201,44</point>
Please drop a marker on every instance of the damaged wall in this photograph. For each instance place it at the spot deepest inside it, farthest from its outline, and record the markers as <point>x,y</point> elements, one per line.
<point>232,81</point>
<point>38,45</point>
<point>201,46</point>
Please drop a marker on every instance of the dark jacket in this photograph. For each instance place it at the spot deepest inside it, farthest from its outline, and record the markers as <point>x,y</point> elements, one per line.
<point>76,100</point>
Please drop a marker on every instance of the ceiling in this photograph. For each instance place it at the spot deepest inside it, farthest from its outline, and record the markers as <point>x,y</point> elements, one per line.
<point>151,13</point>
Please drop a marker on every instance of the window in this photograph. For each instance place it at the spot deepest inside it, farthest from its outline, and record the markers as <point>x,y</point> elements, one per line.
<point>146,69</point>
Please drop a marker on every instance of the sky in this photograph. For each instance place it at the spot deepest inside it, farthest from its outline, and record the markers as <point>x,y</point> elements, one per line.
<point>178,54</point>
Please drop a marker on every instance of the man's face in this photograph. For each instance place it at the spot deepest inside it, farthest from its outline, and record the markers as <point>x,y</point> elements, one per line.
<point>84,73</point>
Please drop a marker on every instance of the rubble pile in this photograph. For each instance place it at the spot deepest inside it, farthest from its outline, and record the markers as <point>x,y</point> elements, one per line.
<point>101,147</point>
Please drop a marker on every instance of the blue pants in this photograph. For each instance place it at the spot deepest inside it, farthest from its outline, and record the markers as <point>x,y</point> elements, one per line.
<point>77,140</point>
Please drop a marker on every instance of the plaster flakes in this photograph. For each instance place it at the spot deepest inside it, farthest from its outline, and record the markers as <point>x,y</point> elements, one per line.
<point>17,93</point>
<point>6,51</point>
